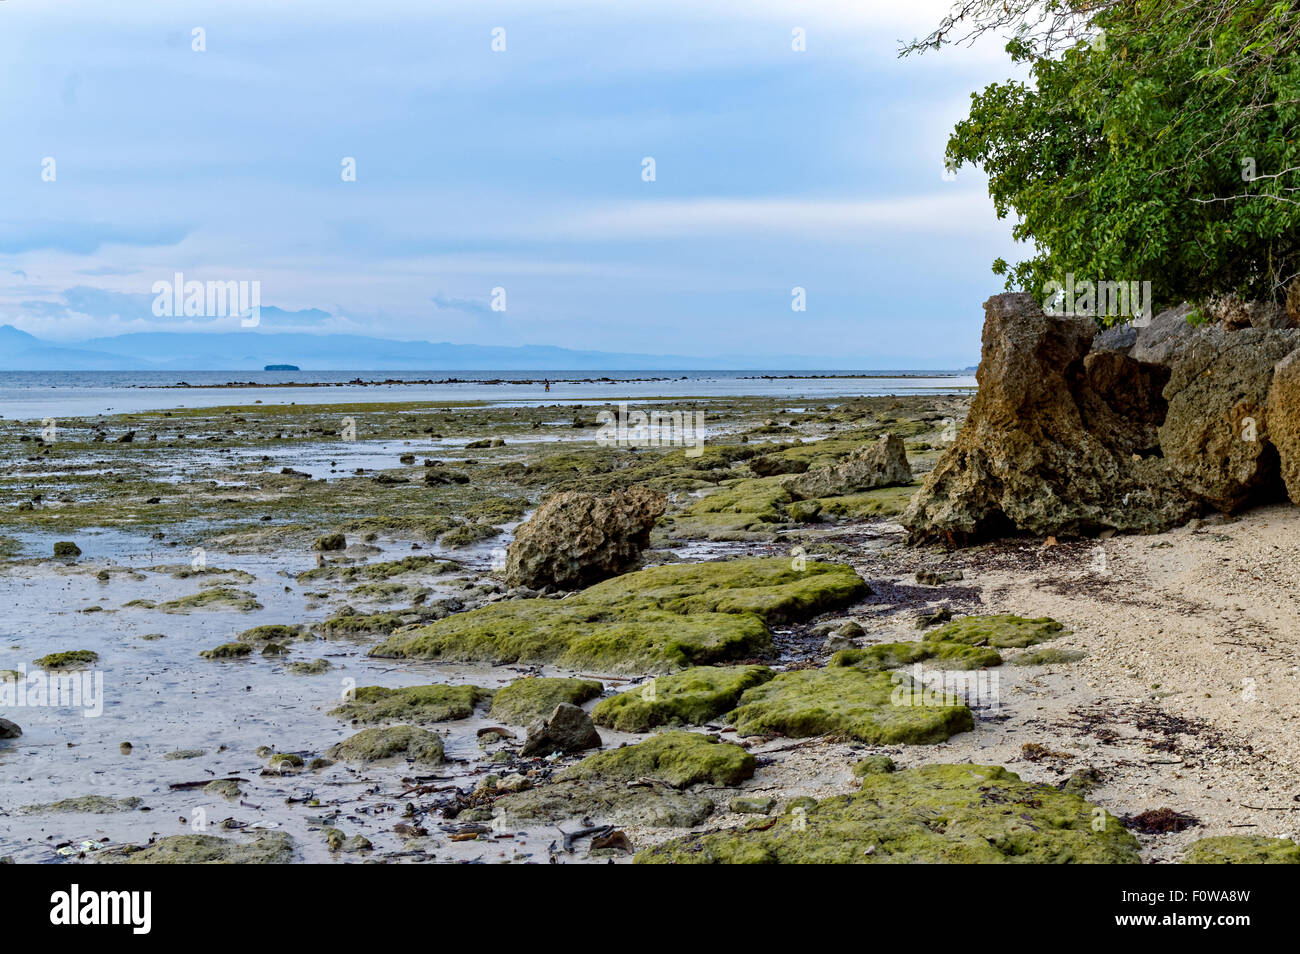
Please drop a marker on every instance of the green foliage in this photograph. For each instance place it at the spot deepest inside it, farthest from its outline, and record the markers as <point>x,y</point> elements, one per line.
<point>1126,160</point>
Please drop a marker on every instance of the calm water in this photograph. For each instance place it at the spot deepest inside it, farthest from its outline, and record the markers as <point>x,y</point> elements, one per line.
<point>33,395</point>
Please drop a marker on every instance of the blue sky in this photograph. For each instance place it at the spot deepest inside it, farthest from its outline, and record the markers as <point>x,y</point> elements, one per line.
<point>520,169</point>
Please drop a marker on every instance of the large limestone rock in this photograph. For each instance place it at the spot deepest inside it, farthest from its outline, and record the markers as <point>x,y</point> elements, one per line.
<point>576,538</point>
<point>1284,421</point>
<point>1216,433</point>
<point>878,464</point>
<point>1159,341</point>
<point>1055,440</point>
<point>567,729</point>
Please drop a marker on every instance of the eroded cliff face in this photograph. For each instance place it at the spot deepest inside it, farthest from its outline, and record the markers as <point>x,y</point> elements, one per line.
<point>1070,437</point>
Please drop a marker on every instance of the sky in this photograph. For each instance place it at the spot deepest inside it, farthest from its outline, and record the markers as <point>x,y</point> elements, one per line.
<point>521,169</point>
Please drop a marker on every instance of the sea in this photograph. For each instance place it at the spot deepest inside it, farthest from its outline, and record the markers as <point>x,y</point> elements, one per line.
<point>36,395</point>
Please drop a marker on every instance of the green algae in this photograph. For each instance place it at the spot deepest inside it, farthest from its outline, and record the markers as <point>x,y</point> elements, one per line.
<point>661,618</point>
<point>532,698</point>
<point>228,651</point>
<point>390,592</point>
<point>88,804</point>
<point>1002,632</point>
<point>655,806</point>
<point>216,598</point>
<point>316,667</point>
<point>224,787</point>
<point>337,841</point>
<point>72,659</point>
<point>880,502</point>
<point>1242,850</point>
<point>1048,656</point>
<point>268,848</point>
<point>272,633</point>
<point>878,708</point>
<point>751,503</point>
<point>181,754</point>
<point>690,697</point>
<point>678,759</point>
<point>884,656</point>
<point>283,760</point>
<point>416,704</point>
<point>354,625</point>
<point>957,814</point>
<point>380,572</point>
<point>401,741</point>
<point>874,765</point>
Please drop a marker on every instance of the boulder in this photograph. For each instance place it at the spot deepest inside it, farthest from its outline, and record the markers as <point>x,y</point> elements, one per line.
<point>1284,421</point>
<point>878,464</point>
<point>1235,314</point>
<point>577,538</point>
<point>1215,435</point>
<point>1057,441</point>
<point>1159,340</point>
<point>9,730</point>
<point>566,729</point>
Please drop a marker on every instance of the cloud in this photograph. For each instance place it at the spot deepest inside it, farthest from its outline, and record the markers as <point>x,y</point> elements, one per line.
<point>82,238</point>
<point>470,305</point>
<point>965,213</point>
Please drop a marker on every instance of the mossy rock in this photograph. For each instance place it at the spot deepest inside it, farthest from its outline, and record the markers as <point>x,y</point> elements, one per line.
<point>353,625</point>
<point>747,504</point>
<point>272,633</point>
<point>72,659</point>
<point>676,758</point>
<point>88,804</point>
<point>224,787</point>
<point>527,699</point>
<point>956,814</point>
<point>181,754</point>
<point>841,701</point>
<point>1048,656</point>
<point>655,806</point>
<point>283,760</point>
<point>1002,632</point>
<point>268,848</point>
<point>658,619</point>
<point>316,667</point>
<point>216,598</point>
<point>400,741</point>
<point>885,656</point>
<point>228,651</point>
<point>330,542</point>
<point>379,571</point>
<point>690,697</point>
<point>874,765</point>
<point>66,550</point>
<point>1242,850</point>
<point>880,502</point>
<point>418,704</point>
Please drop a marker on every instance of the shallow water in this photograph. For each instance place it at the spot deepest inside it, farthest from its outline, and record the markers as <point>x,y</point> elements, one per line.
<point>161,697</point>
<point>37,395</point>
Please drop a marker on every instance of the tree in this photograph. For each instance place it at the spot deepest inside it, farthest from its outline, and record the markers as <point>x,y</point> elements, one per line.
<point>1156,142</point>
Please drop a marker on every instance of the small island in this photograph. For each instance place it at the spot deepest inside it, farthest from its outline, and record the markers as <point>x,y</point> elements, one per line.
<point>282,367</point>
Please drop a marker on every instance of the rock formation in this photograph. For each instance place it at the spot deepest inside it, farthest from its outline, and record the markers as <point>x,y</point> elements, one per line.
<point>878,464</point>
<point>1132,429</point>
<point>1055,440</point>
<point>576,538</point>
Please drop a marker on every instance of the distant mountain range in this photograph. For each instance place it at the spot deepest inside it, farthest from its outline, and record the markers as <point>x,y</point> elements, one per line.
<point>253,351</point>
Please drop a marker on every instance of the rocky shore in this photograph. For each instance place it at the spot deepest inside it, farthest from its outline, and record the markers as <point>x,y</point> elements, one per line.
<point>1039,627</point>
